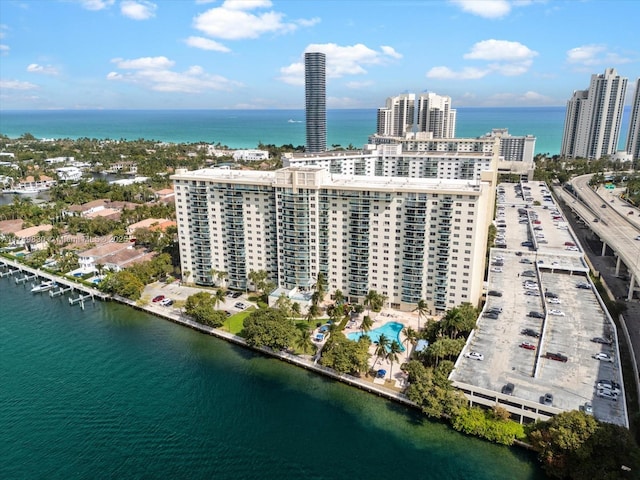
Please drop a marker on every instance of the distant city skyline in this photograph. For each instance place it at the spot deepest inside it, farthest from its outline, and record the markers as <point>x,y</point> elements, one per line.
<point>249,54</point>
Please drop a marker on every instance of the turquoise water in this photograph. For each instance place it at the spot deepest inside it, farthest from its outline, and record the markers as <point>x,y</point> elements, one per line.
<point>110,392</point>
<point>391,330</point>
<point>247,128</point>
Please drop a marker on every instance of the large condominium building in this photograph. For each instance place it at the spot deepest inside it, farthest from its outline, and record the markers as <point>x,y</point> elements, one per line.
<point>407,238</point>
<point>593,117</point>
<point>398,116</point>
<point>435,115</point>
<point>633,137</point>
<point>514,148</point>
<point>396,160</point>
<point>315,101</point>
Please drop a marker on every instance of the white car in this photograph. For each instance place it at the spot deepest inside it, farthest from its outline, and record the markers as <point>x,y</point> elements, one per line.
<point>572,249</point>
<point>474,355</point>
<point>557,313</point>
<point>603,357</point>
<point>554,301</point>
<point>498,258</point>
<point>496,270</point>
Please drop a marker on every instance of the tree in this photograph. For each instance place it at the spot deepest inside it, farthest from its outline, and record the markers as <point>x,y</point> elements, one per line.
<point>123,283</point>
<point>366,324</point>
<point>321,286</point>
<point>394,349</point>
<point>381,347</point>
<point>259,279</point>
<point>422,307</point>
<point>218,297</point>
<point>268,327</point>
<point>346,356</point>
<point>302,340</point>
<point>201,307</point>
<point>312,312</point>
<point>338,297</point>
<point>410,337</point>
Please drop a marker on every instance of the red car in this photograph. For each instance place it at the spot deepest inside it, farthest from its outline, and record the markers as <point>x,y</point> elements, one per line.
<point>528,346</point>
<point>157,299</point>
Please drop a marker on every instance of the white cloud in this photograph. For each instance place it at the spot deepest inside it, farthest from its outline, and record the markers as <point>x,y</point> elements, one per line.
<point>234,21</point>
<point>467,73</point>
<point>95,4</point>
<point>507,58</point>
<point>529,98</point>
<point>358,85</point>
<point>17,85</point>
<point>42,69</point>
<point>341,61</point>
<point>138,10</point>
<point>484,8</point>
<point>500,50</point>
<point>206,44</point>
<point>591,55</point>
<point>144,63</point>
<point>154,73</point>
<point>4,49</point>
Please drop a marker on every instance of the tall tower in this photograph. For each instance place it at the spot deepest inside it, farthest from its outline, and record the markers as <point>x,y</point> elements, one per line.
<point>633,138</point>
<point>593,117</point>
<point>315,101</point>
<point>398,116</point>
<point>435,115</point>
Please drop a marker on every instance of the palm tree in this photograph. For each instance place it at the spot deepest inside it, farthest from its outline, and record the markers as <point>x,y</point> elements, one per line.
<point>370,299</point>
<point>410,337</point>
<point>422,308</point>
<point>338,297</point>
<point>218,297</point>
<point>366,324</point>
<point>381,348</point>
<point>321,285</point>
<point>392,356</point>
<point>312,312</point>
<point>302,340</point>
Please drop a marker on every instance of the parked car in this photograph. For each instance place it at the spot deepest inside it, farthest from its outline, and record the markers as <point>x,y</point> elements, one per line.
<point>494,293</point>
<point>607,395</point>
<point>557,313</point>
<point>530,332</point>
<point>240,305</point>
<point>587,408</point>
<point>559,357</point>
<point>554,301</point>
<point>583,285</point>
<point>534,314</point>
<point>528,273</point>
<point>525,260</point>
<point>166,302</point>
<point>527,346</point>
<point>508,389</point>
<point>603,357</point>
<point>491,315</point>
<point>547,399</point>
<point>550,294</point>
<point>158,298</point>
<point>474,355</point>
<point>532,293</point>
<point>496,269</point>
<point>609,385</point>
<point>495,310</point>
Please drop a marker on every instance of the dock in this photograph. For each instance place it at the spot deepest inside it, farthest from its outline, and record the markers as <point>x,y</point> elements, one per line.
<point>66,284</point>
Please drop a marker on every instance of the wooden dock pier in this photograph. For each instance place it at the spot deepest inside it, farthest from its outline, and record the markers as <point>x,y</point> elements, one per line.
<point>62,291</point>
<point>26,278</point>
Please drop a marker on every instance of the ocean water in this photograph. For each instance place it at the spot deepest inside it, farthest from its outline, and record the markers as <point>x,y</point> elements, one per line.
<point>110,392</point>
<point>248,128</point>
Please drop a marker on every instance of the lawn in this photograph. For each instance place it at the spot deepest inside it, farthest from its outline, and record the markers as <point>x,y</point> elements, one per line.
<point>233,324</point>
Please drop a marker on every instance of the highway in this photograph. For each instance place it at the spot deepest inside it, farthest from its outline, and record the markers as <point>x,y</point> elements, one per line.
<point>612,223</point>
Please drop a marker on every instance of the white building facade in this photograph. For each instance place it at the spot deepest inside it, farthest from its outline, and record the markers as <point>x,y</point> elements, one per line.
<point>406,238</point>
<point>633,137</point>
<point>436,116</point>
<point>593,117</point>
<point>398,116</point>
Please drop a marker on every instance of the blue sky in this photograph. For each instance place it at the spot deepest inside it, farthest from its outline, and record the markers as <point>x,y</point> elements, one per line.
<point>232,54</point>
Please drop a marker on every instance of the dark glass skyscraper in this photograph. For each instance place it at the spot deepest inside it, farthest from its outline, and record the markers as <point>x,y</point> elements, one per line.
<point>315,101</point>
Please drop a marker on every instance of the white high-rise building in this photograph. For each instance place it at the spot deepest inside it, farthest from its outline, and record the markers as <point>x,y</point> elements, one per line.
<point>398,116</point>
<point>435,115</point>
<point>514,148</point>
<point>633,137</point>
<point>593,117</point>
<point>406,238</point>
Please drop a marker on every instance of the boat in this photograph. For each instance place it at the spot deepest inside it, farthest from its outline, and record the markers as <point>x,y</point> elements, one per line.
<point>44,286</point>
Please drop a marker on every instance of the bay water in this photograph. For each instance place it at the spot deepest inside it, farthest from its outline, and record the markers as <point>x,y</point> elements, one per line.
<point>111,392</point>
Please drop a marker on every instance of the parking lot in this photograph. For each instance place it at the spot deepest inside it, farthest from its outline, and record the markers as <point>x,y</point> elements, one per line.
<point>536,329</point>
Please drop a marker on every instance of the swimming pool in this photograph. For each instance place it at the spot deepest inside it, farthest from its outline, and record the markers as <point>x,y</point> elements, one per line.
<point>391,330</point>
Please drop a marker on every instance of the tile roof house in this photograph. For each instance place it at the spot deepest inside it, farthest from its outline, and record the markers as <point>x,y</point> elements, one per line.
<point>112,256</point>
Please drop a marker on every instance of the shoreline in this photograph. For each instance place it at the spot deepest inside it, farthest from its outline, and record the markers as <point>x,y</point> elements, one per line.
<point>179,319</point>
